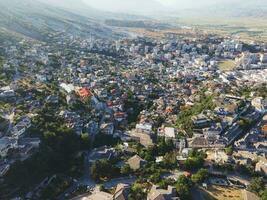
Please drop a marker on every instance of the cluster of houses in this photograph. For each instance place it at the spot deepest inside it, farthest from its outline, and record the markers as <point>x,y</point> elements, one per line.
<point>14,145</point>
<point>136,88</point>
<point>122,192</point>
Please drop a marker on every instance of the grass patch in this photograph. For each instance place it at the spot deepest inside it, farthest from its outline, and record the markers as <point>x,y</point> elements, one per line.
<point>225,193</point>
<point>227,65</point>
<point>184,120</point>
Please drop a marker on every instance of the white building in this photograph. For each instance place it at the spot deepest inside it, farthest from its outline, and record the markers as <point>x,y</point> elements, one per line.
<point>6,144</point>
<point>260,104</point>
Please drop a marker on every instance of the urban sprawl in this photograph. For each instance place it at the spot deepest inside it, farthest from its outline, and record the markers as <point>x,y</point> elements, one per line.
<point>135,118</point>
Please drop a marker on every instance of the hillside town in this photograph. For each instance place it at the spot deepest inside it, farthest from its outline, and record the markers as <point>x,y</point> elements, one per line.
<point>137,118</point>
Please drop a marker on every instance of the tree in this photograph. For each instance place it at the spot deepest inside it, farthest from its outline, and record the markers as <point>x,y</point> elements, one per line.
<point>200,176</point>
<point>102,139</point>
<point>263,194</point>
<point>229,150</point>
<point>126,169</point>
<point>102,169</point>
<point>155,178</point>
<point>256,185</point>
<point>183,186</point>
<point>195,161</point>
<point>170,161</point>
<point>164,146</point>
<point>85,140</point>
<point>137,192</point>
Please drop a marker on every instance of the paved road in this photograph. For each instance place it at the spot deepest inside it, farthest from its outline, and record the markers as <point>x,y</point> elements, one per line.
<point>114,182</point>
<point>197,194</point>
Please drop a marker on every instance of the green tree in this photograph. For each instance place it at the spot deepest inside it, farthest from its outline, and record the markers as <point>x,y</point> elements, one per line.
<point>169,160</point>
<point>102,169</point>
<point>200,176</point>
<point>195,160</point>
<point>137,192</point>
<point>126,169</point>
<point>263,194</point>
<point>256,185</point>
<point>183,187</point>
<point>229,150</point>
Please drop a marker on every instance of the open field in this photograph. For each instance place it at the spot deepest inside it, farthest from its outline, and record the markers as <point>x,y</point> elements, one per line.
<point>227,65</point>
<point>157,34</point>
<point>246,29</point>
<point>223,193</point>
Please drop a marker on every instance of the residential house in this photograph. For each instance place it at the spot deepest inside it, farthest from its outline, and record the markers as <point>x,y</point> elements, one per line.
<point>261,166</point>
<point>94,196</point>
<point>160,194</point>
<point>21,127</point>
<point>136,162</point>
<point>167,132</point>
<point>259,104</point>
<point>122,191</point>
<point>4,169</point>
<point>7,144</point>
<point>143,134</point>
<point>102,153</point>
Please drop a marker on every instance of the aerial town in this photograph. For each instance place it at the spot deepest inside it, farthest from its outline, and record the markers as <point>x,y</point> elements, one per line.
<point>175,117</point>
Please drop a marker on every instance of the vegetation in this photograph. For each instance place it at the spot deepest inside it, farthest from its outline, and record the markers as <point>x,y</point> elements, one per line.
<point>57,154</point>
<point>170,161</point>
<point>184,120</point>
<point>258,90</point>
<point>257,186</point>
<point>183,187</point>
<point>200,176</point>
<point>195,160</point>
<point>102,139</point>
<point>229,150</point>
<point>55,187</point>
<point>103,169</point>
<point>227,65</point>
<point>160,149</point>
<point>137,192</point>
<point>126,169</point>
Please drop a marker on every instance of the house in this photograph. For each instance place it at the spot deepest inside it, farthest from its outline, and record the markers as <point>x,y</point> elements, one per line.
<point>4,169</point>
<point>160,194</point>
<point>102,153</point>
<point>107,128</point>
<point>261,166</point>
<point>200,121</point>
<point>95,196</point>
<point>21,127</point>
<point>168,132</point>
<point>136,162</point>
<point>51,99</point>
<point>7,94</point>
<point>122,191</point>
<point>259,104</point>
<point>143,134</point>
<point>84,93</point>
<point>264,129</point>
<point>144,138</point>
<point>7,144</point>
<point>221,157</point>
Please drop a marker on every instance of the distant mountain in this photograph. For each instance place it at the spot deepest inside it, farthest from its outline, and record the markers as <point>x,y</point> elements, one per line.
<point>38,18</point>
